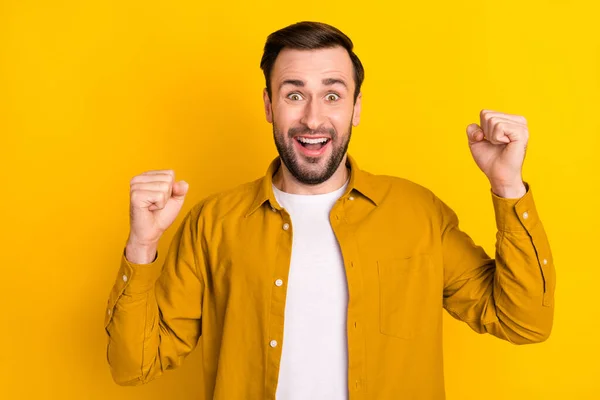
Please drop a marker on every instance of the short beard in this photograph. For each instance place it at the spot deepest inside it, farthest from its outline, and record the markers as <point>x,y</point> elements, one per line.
<point>288,155</point>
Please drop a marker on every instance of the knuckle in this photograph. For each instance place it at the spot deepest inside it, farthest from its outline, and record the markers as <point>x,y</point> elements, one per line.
<point>134,186</point>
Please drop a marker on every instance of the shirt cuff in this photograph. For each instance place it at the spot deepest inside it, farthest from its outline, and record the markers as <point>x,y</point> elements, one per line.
<point>515,214</point>
<point>138,278</point>
<point>131,279</point>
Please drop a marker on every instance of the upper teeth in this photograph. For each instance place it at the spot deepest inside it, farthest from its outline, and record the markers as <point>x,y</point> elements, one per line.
<point>313,141</point>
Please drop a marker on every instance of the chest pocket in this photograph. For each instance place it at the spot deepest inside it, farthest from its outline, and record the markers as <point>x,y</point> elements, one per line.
<point>405,295</point>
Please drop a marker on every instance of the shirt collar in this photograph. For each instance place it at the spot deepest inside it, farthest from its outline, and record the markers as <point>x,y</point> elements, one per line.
<point>359,181</point>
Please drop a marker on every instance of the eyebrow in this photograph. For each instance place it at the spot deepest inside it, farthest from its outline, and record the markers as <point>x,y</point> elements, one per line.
<point>295,82</point>
<point>300,83</point>
<point>333,81</point>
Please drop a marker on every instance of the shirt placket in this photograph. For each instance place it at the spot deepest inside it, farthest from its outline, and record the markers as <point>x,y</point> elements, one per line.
<point>278,295</point>
<point>356,336</point>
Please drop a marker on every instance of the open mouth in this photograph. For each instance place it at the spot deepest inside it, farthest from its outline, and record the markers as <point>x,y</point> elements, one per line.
<point>312,145</point>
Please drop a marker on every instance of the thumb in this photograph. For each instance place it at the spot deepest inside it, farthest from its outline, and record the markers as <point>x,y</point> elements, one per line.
<point>179,190</point>
<point>474,133</point>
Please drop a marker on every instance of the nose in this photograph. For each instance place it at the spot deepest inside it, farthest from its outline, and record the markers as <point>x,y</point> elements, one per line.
<point>313,115</point>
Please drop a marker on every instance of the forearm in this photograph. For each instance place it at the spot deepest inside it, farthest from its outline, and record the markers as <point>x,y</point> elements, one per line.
<point>131,324</point>
<point>524,275</point>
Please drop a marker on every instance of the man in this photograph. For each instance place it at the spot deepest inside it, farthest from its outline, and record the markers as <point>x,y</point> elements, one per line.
<point>321,280</point>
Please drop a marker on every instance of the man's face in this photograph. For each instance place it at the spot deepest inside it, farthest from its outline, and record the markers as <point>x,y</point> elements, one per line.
<point>312,98</point>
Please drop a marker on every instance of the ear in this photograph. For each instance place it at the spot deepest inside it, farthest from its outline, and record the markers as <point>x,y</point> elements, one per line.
<point>268,108</point>
<point>357,109</point>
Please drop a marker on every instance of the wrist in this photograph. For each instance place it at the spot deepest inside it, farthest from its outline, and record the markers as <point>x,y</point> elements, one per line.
<point>509,191</point>
<point>141,254</point>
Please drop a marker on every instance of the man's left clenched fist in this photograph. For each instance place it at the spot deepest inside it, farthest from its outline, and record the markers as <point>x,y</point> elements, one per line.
<point>498,146</point>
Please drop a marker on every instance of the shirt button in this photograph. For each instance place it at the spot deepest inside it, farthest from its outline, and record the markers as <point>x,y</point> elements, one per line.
<point>109,311</point>
<point>351,197</point>
<point>278,282</point>
<point>286,226</point>
<point>273,343</point>
<point>124,278</point>
<point>525,215</point>
<point>273,209</point>
<point>545,261</point>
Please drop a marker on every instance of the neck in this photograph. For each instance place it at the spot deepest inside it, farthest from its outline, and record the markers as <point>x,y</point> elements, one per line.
<point>286,182</point>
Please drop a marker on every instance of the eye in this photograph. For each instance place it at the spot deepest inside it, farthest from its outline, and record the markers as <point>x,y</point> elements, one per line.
<point>332,97</point>
<point>294,96</point>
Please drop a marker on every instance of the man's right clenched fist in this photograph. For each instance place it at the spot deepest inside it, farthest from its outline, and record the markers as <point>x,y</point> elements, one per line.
<point>156,200</point>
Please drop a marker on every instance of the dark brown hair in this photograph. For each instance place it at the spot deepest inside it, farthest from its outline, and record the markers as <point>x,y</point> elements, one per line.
<point>307,35</point>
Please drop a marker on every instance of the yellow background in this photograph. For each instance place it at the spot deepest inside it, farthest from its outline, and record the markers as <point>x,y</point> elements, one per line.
<point>95,92</point>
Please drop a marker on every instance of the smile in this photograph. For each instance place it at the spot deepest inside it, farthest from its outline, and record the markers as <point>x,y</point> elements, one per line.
<point>312,146</point>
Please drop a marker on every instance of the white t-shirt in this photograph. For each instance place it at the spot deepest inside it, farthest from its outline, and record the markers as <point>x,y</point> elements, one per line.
<point>314,358</point>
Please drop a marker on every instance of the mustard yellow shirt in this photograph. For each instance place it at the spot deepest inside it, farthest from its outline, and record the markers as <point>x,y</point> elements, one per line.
<point>223,286</point>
